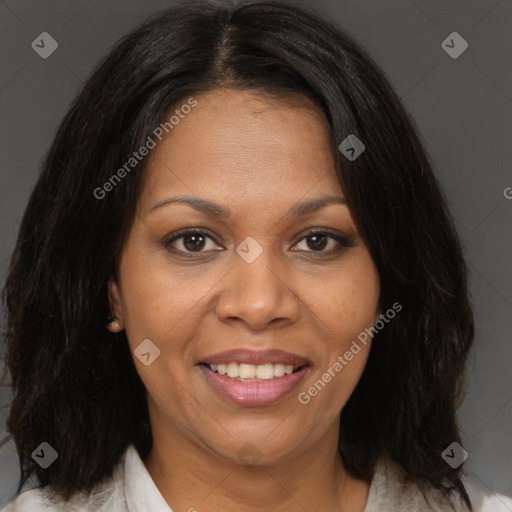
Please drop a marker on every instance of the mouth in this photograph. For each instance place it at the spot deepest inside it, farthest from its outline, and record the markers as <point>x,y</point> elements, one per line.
<point>243,372</point>
<point>250,378</point>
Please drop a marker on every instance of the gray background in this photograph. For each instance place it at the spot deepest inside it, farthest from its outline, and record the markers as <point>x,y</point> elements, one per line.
<point>463,108</point>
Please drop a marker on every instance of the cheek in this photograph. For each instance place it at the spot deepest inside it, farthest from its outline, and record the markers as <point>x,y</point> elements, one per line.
<point>344,309</point>
<point>159,301</point>
<point>345,301</point>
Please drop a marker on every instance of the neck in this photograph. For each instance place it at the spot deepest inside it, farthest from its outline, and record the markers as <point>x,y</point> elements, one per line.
<point>191,477</point>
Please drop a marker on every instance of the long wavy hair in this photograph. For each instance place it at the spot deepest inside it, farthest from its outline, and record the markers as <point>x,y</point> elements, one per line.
<point>74,383</point>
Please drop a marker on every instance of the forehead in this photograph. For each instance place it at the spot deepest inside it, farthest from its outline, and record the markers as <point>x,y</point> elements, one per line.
<point>240,143</point>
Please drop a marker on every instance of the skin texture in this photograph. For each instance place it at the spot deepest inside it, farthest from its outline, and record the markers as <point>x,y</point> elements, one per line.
<point>257,157</point>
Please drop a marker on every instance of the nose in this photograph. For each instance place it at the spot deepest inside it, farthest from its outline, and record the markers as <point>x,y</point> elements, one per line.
<point>258,293</point>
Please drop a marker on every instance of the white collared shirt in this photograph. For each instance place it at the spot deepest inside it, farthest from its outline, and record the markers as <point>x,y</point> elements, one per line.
<point>131,489</point>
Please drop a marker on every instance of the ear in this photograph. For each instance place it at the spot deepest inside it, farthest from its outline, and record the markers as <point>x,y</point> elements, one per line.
<point>114,299</point>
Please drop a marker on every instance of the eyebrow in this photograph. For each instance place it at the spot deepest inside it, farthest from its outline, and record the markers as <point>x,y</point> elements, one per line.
<point>216,210</point>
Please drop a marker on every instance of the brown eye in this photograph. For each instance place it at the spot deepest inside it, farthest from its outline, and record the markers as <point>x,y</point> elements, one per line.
<point>317,242</point>
<point>190,242</point>
<point>193,242</point>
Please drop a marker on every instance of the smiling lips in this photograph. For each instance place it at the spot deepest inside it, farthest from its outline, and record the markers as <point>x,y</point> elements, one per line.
<point>246,372</point>
<point>251,378</point>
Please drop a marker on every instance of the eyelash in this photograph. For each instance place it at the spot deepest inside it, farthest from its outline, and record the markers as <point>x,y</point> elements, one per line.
<point>343,241</point>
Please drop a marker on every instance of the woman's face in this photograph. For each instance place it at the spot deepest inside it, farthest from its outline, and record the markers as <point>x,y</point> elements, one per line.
<point>253,280</point>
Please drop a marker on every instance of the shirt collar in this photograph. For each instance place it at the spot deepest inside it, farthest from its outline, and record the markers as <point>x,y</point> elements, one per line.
<point>142,495</point>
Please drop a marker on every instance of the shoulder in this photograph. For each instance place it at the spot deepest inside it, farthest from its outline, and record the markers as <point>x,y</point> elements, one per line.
<point>485,500</point>
<point>31,500</point>
<point>41,500</point>
<point>106,496</point>
<point>388,493</point>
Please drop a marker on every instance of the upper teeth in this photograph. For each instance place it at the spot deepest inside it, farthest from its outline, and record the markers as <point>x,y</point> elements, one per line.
<point>251,371</point>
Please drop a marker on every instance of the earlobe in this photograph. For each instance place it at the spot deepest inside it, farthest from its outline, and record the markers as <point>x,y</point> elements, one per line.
<point>115,319</point>
<point>114,324</point>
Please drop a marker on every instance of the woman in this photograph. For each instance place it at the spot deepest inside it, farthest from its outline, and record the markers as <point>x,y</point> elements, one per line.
<point>236,284</point>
